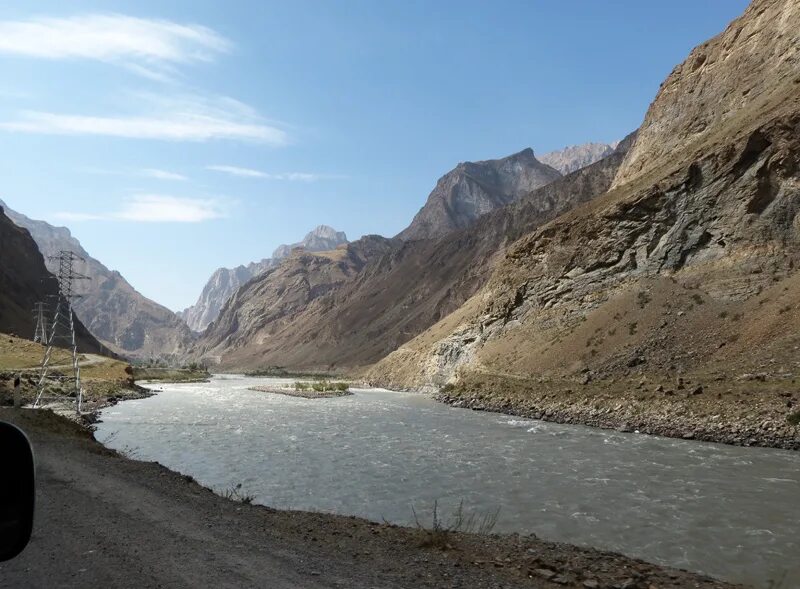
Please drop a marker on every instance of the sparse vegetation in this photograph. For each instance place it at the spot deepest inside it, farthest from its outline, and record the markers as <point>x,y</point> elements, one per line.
<point>235,493</point>
<point>440,534</point>
<point>189,373</point>
<point>697,299</point>
<point>794,418</point>
<point>642,298</point>
<point>632,327</point>
<point>322,386</point>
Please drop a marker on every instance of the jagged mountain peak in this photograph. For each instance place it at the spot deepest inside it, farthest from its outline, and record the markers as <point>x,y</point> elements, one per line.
<point>224,282</point>
<point>472,189</point>
<point>575,157</point>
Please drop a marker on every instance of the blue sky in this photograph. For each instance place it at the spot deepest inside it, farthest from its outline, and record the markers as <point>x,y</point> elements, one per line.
<point>175,138</point>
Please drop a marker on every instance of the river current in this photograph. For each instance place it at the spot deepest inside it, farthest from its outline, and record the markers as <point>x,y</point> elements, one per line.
<point>726,511</point>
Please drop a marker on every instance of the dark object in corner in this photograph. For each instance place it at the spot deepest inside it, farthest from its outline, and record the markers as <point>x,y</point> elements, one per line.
<point>17,491</point>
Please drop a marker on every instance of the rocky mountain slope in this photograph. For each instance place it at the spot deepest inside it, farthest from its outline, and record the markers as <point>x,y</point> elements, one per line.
<point>473,189</point>
<point>24,281</point>
<point>675,293</point>
<point>258,318</point>
<point>226,281</point>
<point>575,157</point>
<point>398,290</point>
<point>122,318</point>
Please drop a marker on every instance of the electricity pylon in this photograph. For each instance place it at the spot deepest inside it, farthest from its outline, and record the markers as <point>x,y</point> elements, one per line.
<point>40,334</point>
<point>62,329</point>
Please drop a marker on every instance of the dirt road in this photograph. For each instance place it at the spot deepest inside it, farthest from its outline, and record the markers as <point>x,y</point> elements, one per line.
<point>107,521</point>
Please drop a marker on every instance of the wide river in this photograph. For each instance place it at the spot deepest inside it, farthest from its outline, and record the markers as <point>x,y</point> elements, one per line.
<point>730,512</point>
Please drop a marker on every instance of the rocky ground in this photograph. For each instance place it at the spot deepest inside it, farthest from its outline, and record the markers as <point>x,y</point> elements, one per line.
<point>752,411</point>
<point>106,521</point>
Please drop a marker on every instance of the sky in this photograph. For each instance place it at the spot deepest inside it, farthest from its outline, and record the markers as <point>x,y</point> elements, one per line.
<point>177,137</point>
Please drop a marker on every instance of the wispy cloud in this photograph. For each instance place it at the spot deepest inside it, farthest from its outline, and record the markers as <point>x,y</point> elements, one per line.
<point>149,47</point>
<point>162,174</point>
<point>237,171</point>
<point>156,208</point>
<point>290,176</point>
<point>175,118</point>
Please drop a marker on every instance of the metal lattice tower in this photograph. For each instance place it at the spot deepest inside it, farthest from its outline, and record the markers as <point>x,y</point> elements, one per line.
<point>39,311</point>
<point>62,330</point>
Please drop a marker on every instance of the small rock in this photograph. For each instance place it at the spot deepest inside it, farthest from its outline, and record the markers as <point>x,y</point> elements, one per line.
<point>591,584</point>
<point>545,573</point>
<point>688,436</point>
<point>698,390</point>
<point>660,388</point>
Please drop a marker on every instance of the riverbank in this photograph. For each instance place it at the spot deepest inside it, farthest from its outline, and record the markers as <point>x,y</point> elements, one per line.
<point>105,380</point>
<point>750,411</point>
<point>171,375</point>
<point>106,520</point>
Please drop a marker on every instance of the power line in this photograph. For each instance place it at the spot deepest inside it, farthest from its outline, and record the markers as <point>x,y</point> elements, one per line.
<point>62,329</point>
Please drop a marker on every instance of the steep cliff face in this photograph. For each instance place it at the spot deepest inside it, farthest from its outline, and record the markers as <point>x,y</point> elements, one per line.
<point>738,74</point>
<point>686,265</point>
<point>575,157</point>
<point>473,189</point>
<point>400,289</point>
<point>24,281</point>
<point>226,281</point>
<point>122,318</point>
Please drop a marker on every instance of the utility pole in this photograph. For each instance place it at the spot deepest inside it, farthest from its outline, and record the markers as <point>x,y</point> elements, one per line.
<point>62,329</point>
<point>40,334</point>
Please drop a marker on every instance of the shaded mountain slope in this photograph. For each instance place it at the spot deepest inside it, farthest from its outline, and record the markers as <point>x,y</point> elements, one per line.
<point>226,281</point>
<point>122,318</point>
<point>473,189</point>
<point>401,290</point>
<point>24,281</point>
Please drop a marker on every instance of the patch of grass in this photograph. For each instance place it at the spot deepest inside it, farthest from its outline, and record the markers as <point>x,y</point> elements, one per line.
<point>723,314</point>
<point>632,327</point>
<point>440,533</point>
<point>642,298</point>
<point>235,493</point>
<point>697,299</point>
<point>322,386</point>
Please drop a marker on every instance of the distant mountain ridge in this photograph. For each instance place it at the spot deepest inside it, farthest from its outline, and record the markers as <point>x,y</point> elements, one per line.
<point>575,157</point>
<point>224,282</point>
<point>126,321</point>
<point>473,189</point>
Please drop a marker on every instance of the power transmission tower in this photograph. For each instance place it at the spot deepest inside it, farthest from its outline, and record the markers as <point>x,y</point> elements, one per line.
<point>62,330</point>
<point>40,334</point>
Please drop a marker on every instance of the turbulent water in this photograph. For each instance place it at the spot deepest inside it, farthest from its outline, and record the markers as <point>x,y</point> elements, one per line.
<point>727,511</point>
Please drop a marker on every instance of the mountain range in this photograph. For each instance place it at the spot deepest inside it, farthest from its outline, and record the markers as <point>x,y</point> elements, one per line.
<point>25,281</point>
<point>125,321</point>
<point>224,282</point>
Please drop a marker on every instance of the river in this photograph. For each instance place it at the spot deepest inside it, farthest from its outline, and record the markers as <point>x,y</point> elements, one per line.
<point>726,511</point>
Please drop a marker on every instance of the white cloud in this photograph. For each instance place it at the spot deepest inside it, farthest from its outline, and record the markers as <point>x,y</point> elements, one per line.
<point>174,127</point>
<point>150,47</point>
<point>237,171</point>
<point>162,174</point>
<point>290,176</point>
<point>157,208</point>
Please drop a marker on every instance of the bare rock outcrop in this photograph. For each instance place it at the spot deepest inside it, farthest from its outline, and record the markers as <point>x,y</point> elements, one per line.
<point>473,189</point>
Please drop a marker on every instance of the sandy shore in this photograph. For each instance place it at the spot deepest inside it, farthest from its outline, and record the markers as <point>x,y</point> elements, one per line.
<point>107,521</point>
